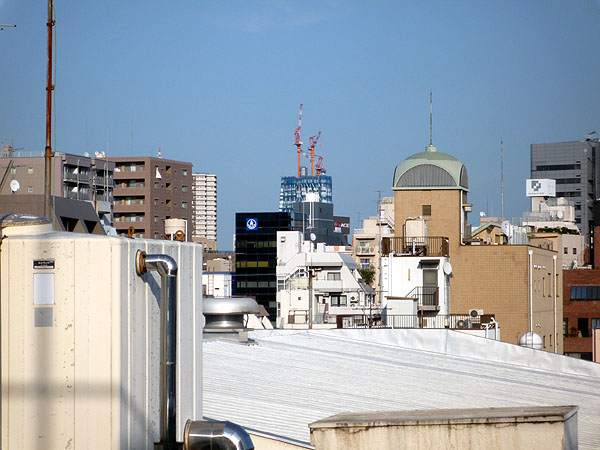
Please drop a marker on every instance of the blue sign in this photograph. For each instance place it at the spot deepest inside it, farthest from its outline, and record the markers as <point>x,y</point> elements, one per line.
<point>252,224</point>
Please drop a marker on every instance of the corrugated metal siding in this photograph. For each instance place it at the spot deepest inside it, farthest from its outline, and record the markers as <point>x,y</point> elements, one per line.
<point>426,175</point>
<point>291,379</point>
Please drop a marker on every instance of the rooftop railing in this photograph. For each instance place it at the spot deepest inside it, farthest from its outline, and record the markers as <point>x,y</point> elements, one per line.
<point>416,246</point>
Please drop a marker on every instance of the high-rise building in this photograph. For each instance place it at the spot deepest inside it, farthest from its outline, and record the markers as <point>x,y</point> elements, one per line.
<point>294,190</point>
<point>256,256</point>
<point>575,168</point>
<point>150,190</point>
<point>204,206</point>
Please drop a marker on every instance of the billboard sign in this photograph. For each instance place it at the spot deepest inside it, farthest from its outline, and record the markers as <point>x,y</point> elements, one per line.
<point>540,188</point>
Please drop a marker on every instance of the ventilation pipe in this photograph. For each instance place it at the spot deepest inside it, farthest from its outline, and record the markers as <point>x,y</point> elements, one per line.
<point>167,269</point>
<point>215,435</point>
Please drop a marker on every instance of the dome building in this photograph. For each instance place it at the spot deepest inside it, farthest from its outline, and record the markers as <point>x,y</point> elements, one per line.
<point>433,185</point>
<point>519,285</point>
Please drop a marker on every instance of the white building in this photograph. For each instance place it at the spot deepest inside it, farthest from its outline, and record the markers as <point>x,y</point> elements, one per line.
<point>216,284</point>
<point>204,206</point>
<point>316,287</point>
<point>416,274</point>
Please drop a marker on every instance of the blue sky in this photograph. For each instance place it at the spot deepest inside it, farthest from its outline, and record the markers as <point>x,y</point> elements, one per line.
<point>219,84</point>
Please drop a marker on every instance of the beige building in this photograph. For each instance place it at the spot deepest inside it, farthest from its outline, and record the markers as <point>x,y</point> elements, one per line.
<point>520,284</point>
<point>204,206</point>
<point>366,240</point>
<point>148,191</point>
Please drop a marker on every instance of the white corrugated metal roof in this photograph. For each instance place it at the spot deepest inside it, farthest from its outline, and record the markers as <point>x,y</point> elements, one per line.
<point>292,378</point>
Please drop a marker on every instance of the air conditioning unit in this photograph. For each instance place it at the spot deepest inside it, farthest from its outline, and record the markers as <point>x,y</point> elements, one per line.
<point>475,314</point>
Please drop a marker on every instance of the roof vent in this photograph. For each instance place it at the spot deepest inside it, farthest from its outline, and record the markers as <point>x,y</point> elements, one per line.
<point>226,315</point>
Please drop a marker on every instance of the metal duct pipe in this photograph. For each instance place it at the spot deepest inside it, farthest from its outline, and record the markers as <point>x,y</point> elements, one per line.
<point>167,269</point>
<point>215,435</point>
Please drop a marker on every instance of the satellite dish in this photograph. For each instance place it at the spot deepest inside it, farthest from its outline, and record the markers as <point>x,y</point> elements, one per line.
<point>313,237</point>
<point>560,214</point>
<point>447,268</point>
<point>14,186</point>
<point>86,154</point>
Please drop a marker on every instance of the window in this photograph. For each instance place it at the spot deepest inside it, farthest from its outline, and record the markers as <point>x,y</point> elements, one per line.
<point>338,300</point>
<point>582,326</point>
<point>155,219</point>
<point>13,171</point>
<point>184,172</point>
<point>155,235</point>
<point>156,185</point>
<point>426,210</point>
<point>334,276</point>
<point>574,251</point>
<point>585,292</point>
<point>365,263</point>
<point>184,205</point>
<point>30,170</point>
<point>565,327</point>
<point>183,188</point>
<point>30,189</point>
<point>155,202</point>
<point>595,323</point>
<point>566,250</point>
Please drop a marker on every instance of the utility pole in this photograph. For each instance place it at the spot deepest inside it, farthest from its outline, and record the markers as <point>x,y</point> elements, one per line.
<point>48,155</point>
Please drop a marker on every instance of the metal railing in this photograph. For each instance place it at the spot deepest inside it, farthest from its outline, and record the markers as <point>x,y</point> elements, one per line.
<point>439,321</point>
<point>426,295</point>
<point>416,246</point>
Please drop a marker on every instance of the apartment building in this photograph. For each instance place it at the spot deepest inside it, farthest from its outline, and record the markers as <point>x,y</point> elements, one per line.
<point>521,285</point>
<point>147,192</point>
<point>204,206</point>
<point>74,177</point>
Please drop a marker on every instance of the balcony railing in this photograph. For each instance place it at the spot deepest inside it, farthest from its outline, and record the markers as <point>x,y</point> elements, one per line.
<point>416,246</point>
<point>427,297</point>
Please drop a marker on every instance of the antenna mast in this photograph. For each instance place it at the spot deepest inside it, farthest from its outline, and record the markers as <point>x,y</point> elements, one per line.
<point>49,153</point>
<point>430,118</point>
<point>502,178</point>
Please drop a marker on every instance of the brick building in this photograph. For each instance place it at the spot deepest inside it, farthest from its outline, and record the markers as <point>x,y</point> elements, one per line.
<point>581,293</point>
<point>148,191</point>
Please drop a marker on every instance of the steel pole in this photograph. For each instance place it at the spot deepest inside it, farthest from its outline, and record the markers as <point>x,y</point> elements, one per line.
<point>49,153</point>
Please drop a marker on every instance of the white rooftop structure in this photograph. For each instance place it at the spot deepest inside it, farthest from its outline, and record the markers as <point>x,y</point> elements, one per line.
<point>292,378</point>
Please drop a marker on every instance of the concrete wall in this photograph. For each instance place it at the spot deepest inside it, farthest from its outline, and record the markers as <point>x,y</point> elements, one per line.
<point>542,428</point>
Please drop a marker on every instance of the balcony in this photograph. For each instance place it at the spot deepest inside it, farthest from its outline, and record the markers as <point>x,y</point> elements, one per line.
<point>416,246</point>
<point>427,297</point>
<point>366,248</point>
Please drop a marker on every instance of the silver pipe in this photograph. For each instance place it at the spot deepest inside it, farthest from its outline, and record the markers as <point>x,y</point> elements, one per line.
<point>167,269</point>
<point>216,435</point>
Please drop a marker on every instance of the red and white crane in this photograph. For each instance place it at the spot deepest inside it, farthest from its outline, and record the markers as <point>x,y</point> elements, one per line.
<point>297,141</point>
<point>312,142</point>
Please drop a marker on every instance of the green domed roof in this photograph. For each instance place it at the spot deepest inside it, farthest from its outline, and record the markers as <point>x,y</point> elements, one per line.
<point>430,170</point>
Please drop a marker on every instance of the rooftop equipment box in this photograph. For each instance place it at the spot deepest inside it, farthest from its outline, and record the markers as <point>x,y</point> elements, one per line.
<point>80,341</point>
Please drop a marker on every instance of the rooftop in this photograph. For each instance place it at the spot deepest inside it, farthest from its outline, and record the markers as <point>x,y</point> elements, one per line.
<point>292,378</point>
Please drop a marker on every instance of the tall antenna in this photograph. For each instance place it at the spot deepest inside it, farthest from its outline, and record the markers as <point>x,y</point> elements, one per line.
<point>502,177</point>
<point>430,118</point>
<point>48,151</point>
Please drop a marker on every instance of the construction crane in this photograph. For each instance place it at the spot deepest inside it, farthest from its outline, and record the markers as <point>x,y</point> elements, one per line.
<point>320,167</point>
<point>312,142</point>
<point>297,142</point>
